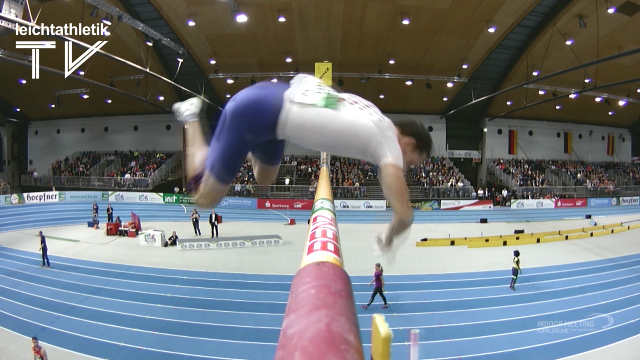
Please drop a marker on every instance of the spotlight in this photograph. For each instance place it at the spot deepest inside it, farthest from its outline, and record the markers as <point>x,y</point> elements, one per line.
<point>445,98</point>
<point>80,72</point>
<point>84,96</point>
<point>450,84</point>
<point>108,101</point>
<point>22,81</point>
<point>405,19</point>
<point>288,59</point>
<point>17,109</point>
<point>509,102</point>
<point>558,107</point>
<point>428,85</point>
<point>281,17</point>
<point>274,80</point>
<point>409,82</point>
<point>598,99</point>
<point>638,90</point>
<point>535,73</point>
<point>94,12</point>
<point>465,63</point>
<point>541,92</point>
<point>149,41</point>
<point>230,81</point>
<point>622,102</point>
<point>106,20</point>
<point>212,62</point>
<point>611,113</point>
<point>190,22</point>
<point>491,27</point>
<point>573,96</point>
<point>610,8</point>
<point>485,129</point>
<point>161,98</point>
<point>52,105</point>
<point>340,82</point>
<point>381,96</point>
<point>241,17</point>
<point>228,96</point>
<point>587,80</point>
<point>391,61</point>
<point>568,41</point>
<point>581,22</point>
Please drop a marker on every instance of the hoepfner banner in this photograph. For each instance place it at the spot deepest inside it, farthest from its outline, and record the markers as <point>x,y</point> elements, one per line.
<point>41,197</point>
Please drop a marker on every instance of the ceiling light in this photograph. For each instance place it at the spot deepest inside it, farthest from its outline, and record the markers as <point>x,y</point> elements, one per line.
<point>288,59</point>
<point>80,72</point>
<point>161,98</point>
<point>281,17</point>
<point>149,41</point>
<point>450,84</point>
<point>568,41</point>
<point>241,17</point>
<point>84,96</point>
<point>108,101</point>
<point>445,98</point>
<point>381,96</point>
<point>274,80</point>
<point>405,19</point>
<point>558,107</point>
<point>465,63</point>
<point>535,73</point>
<point>638,90</point>
<point>190,22</point>
<point>409,82</point>
<point>230,81</point>
<point>611,113</point>
<point>610,8</point>
<point>541,92</point>
<point>228,95</point>
<point>391,61</point>
<point>491,27</point>
<point>509,102</point>
<point>485,129</point>
<point>622,102</point>
<point>22,81</point>
<point>587,80</point>
<point>106,20</point>
<point>464,66</point>
<point>212,62</point>
<point>52,105</point>
<point>598,99</point>
<point>17,109</point>
<point>573,95</point>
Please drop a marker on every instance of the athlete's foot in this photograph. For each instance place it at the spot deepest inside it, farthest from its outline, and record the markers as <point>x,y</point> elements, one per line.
<point>188,110</point>
<point>365,307</point>
<point>385,306</point>
<point>512,288</point>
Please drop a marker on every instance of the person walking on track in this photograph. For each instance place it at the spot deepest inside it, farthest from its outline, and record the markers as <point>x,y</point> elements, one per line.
<point>379,289</point>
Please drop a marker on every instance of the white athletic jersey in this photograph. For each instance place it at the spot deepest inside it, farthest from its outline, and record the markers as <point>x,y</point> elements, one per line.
<point>317,117</point>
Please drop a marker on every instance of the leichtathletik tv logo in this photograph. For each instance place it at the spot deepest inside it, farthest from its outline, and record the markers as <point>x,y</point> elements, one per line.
<point>70,65</point>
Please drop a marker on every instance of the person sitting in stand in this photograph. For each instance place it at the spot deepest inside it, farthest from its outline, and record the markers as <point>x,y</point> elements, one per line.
<point>172,240</point>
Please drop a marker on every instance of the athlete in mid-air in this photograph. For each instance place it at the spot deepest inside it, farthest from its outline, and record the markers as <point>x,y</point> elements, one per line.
<point>259,120</point>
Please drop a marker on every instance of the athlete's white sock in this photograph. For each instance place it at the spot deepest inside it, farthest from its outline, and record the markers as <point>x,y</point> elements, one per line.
<point>188,110</point>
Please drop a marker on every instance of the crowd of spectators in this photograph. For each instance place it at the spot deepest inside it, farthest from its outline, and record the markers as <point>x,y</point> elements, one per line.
<point>134,164</point>
<point>79,166</point>
<point>439,179</point>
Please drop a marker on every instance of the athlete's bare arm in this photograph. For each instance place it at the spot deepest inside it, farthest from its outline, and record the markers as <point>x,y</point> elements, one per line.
<point>396,192</point>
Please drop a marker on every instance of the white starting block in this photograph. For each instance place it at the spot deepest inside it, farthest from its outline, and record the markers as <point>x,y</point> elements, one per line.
<point>230,242</point>
<point>151,238</point>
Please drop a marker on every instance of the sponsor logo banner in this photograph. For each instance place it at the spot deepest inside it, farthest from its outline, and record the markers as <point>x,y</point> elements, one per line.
<point>40,197</point>
<point>13,199</point>
<point>466,204</point>
<point>135,197</point>
<point>533,204</point>
<point>564,203</point>
<point>422,205</point>
<point>323,204</point>
<point>602,202</point>
<point>222,244</point>
<point>367,205</point>
<point>632,200</point>
<point>82,196</point>
<point>284,204</point>
<point>151,238</point>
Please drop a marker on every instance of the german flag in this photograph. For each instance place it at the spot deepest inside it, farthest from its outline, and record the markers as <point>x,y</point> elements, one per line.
<point>567,142</point>
<point>513,142</point>
<point>610,145</point>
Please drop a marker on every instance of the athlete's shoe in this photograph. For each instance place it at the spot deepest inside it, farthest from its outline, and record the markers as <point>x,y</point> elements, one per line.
<point>188,110</point>
<point>384,306</point>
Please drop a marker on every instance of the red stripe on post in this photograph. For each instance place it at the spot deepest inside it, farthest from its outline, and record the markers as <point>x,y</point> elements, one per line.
<point>320,321</point>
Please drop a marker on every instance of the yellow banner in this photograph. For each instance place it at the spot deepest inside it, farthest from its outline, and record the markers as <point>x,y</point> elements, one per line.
<point>323,72</point>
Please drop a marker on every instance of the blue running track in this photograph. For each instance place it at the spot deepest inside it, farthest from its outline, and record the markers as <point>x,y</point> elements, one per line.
<point>129,312</point>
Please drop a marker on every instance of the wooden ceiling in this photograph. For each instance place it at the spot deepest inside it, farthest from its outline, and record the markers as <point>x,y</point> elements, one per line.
<point>357,36</point>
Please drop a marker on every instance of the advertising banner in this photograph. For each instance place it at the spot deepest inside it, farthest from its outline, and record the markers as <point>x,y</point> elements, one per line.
<point>367,205</point>
<point>82,196</point>
<point>466,205</point>
<point>630,200</point>
<point>426,205</point>
<point>532,204</point>
<point>566,203</point>
<point>230,244</point>
<point>284,204</point>
<point>40,197</point>
<point>227,202</point>
<point>151,238</point>
<point>13,199</point>
<point>135,197</point>
<point>602,202</point>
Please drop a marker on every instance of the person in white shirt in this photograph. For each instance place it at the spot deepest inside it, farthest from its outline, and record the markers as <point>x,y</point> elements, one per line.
<point>259,119</point>
<point>505,193</point>
<point>480,194</point>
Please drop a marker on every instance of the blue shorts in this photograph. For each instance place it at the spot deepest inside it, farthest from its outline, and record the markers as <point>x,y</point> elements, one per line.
<point>247,124</point>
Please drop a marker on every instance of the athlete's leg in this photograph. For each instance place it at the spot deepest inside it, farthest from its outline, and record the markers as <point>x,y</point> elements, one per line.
<point>188,112</point>
<point>266,158</point>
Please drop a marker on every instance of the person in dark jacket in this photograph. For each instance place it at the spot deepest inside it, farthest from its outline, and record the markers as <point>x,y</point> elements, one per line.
<point>109,213</point>
<point>213,221</point>
<point>44,249</point>
<point>195,220</point>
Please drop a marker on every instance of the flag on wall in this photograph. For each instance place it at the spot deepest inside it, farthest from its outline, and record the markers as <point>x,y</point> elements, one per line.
<point>567,143</point>
<point>610,146</point>
<point>513,141</point>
